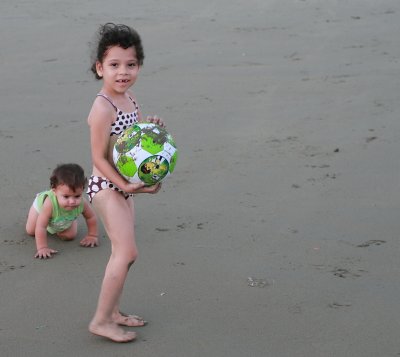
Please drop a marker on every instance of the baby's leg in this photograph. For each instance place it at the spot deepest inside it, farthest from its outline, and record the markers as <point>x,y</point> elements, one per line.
<point>118,218</point>
<point>70,233</point>
<point>31,221</point>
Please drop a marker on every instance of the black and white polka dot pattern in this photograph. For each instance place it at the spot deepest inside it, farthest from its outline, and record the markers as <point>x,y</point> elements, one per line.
<point>97,183</point>
<point>123,121</point>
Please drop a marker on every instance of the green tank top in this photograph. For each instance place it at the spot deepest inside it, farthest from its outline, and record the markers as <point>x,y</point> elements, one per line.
<point>61,219</point>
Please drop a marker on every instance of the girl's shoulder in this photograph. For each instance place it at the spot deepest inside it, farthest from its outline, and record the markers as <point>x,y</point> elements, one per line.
<point>101,111</point>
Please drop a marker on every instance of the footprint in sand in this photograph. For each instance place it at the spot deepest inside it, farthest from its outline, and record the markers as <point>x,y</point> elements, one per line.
<point>338,305</point>
<point>258,283</point>
<point>345,273</point>
<point>12,242</point>
<point>370,138</point>
<point>6,267</point>
<point>371,242</point>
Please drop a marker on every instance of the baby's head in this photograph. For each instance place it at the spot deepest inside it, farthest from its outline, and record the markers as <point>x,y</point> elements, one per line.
<point>71,175</point>
<point>110,35</point>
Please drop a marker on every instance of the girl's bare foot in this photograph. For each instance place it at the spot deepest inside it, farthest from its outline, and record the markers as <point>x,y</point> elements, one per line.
<point>128,320</point>
<point>112,331</point>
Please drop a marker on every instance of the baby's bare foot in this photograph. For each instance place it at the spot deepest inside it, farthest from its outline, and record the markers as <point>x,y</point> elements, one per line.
<point>128,320</point>
<point>112,331</point>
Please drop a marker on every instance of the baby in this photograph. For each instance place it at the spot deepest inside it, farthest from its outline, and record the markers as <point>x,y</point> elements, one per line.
<point>56,211</point>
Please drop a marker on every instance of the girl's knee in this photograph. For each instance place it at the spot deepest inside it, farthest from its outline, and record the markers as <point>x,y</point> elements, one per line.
<point>132,256</point>
<point>126,256</point>
<point>130,264</point>
<point>124,260</point>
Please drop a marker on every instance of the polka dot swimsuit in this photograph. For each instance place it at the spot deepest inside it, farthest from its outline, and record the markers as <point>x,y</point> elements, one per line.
<point>123,121</point>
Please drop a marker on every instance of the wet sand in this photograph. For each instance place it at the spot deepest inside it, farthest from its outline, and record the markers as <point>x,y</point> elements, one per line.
<point>276,236</point>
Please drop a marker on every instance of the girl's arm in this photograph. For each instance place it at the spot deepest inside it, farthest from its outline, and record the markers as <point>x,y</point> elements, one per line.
<point>91,239</point>
<point>42,249</point>
<point>100,119</point>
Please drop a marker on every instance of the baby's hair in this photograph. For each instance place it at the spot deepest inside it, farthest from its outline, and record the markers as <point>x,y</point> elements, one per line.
<point>110,35</point>
<point>71,175</point>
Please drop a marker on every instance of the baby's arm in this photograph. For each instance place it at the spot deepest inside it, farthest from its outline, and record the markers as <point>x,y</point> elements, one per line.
<point>42,249</point>
<point>91,239</point>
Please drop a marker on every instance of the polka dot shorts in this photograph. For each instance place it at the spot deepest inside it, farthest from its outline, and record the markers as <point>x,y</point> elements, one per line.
<point>97,183</point>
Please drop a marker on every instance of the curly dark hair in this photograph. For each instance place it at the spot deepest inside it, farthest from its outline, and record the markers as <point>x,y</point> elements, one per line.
<point>71,175</point>
<point>110,35</point>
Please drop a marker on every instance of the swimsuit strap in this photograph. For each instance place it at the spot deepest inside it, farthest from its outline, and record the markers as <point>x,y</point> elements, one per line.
<point>111,102</point>
<point>136,106</point>
<point>107,98</point>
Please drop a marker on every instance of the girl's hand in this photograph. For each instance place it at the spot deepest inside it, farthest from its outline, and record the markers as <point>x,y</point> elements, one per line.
<point>141,188</point>
<point>90,241</point>
<point>153,189</point>
<point>133,187</point>
<point>44,253</point>
<point>156,120</point>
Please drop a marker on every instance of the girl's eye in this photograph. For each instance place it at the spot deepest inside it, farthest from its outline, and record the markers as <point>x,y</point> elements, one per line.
<point>132,65</point>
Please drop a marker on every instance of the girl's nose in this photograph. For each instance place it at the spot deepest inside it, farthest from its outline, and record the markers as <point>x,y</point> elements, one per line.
<point>123,69</point>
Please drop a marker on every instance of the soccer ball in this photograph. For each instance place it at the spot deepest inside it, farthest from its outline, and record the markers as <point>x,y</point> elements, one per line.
<point>145,152</point>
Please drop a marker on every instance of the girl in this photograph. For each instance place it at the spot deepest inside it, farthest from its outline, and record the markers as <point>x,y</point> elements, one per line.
<point>119,56</point>
<point>56,210</point>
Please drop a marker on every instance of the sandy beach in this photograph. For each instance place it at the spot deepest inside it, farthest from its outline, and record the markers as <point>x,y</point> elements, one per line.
<point>277,234</point>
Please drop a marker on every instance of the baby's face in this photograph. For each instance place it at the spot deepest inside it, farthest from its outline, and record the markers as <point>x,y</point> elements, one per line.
<point>68,198</point>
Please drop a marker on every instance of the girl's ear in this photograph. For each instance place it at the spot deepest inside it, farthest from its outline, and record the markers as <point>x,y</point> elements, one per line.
<point>99,69</point>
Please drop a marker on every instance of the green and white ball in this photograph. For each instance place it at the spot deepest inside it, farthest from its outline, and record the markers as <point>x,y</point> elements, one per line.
<point>145,152</point>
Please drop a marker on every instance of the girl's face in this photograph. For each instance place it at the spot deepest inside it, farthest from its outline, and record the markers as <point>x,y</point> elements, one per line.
<point>67,198</point>
<point>119,69</point>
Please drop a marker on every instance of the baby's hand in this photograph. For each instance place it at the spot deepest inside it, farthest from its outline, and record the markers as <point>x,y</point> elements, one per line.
<point>44,253</point>
<point>156,120</point>
<point>90,241</point>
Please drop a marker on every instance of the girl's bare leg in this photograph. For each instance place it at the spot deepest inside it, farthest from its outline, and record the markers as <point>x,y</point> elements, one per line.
<point>117,215</point>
